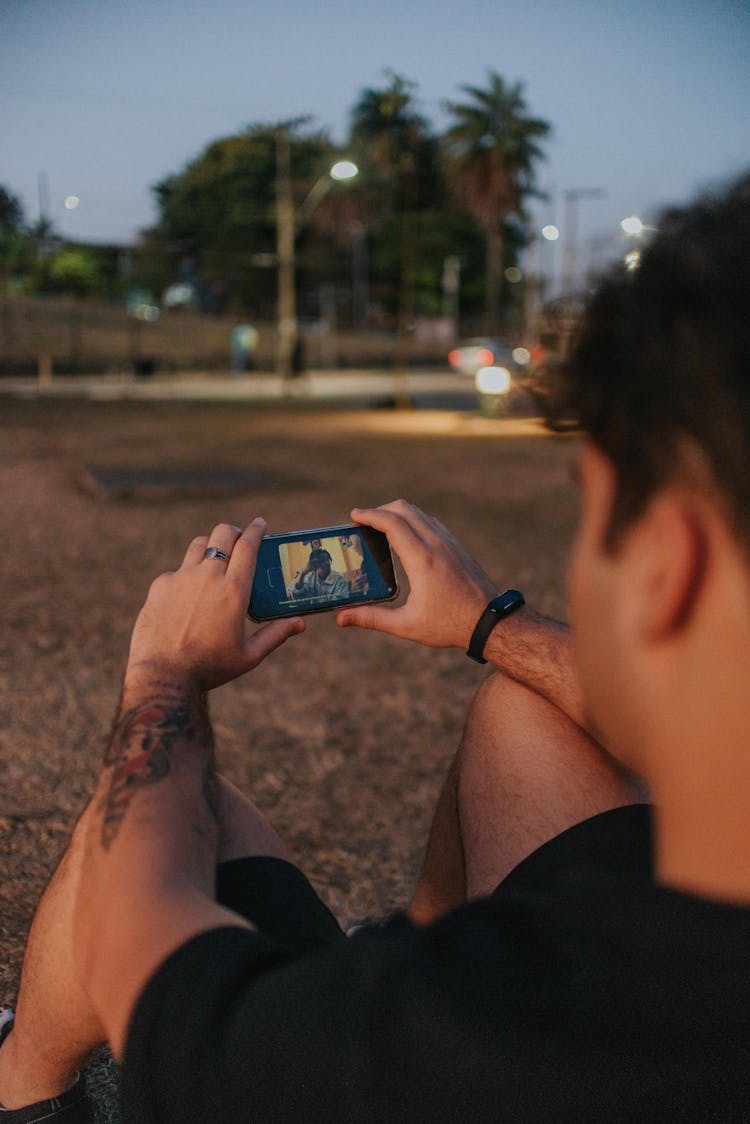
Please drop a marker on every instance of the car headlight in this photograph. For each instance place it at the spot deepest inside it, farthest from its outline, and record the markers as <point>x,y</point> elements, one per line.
<point>493,380</point>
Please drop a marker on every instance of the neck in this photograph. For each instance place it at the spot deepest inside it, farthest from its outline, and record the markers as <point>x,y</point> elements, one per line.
<point>701,792</point>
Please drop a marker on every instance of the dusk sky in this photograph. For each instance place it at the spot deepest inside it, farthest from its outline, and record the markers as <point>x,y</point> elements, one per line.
<point>649,101</point>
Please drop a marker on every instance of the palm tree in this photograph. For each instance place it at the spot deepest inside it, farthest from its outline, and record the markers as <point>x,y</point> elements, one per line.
<point>389,133</point>
<point>492,148</point>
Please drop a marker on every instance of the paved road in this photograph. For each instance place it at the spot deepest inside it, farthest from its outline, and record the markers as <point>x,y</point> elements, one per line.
<point>426,389</point>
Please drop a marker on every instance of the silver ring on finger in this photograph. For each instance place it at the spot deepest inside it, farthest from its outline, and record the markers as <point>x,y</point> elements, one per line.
<point>215,552</point>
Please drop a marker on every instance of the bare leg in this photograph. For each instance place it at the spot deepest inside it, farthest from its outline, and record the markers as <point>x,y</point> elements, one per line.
<point>523,773</point>
<point>55,1027</point>
<point>243,830</point>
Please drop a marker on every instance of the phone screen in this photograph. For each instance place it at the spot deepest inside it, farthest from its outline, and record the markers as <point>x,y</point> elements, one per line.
<point>312,571</point>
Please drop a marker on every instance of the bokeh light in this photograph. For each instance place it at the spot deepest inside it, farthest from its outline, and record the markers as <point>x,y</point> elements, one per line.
<point>632,225</point>
<point>493,380</point>
<point>344,170</point>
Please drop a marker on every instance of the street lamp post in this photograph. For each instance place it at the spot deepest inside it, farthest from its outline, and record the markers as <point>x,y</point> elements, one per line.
<point>571,233</point>
<point>287,224</point>
<point>286,312</point>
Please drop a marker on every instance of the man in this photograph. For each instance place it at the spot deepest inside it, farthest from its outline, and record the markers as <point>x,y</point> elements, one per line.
<point>542,973</point>
<point>317,580</point>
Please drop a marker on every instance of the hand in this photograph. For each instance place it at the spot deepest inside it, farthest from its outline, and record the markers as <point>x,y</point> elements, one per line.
<point>301,575</point>
<point>448,590</point>
<point>194,622</point>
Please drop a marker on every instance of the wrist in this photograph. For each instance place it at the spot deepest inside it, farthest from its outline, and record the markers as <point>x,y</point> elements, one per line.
<point>498,609</point>
<point>157,673</point>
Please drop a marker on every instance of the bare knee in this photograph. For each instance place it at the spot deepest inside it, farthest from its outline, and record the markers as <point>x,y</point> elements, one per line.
<point>526,772</point>
<point>243,830</point>
<point>519,733</point>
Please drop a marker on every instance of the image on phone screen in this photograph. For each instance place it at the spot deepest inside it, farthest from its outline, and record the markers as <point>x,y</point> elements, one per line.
<point>324,568</point>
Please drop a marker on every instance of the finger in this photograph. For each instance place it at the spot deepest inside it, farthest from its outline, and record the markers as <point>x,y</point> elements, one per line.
<point>429,527</point>
<point>404,525</point>
<point>241,566</point>
<point>441,530</point>
<point>194,552</point>
<point>376,618</point>
<point>223,538</point>
<point>427,530</point>
<point>426,527</point>
<point>272,635</point>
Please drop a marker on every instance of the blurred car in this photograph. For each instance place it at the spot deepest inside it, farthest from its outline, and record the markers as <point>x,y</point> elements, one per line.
<point>471,355</point>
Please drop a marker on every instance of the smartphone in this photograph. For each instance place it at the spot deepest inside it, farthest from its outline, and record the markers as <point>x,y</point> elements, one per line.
<point>324,568</point>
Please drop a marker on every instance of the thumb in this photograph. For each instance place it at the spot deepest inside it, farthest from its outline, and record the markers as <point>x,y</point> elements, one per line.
<point>271,636</point>
<point>374,617</point>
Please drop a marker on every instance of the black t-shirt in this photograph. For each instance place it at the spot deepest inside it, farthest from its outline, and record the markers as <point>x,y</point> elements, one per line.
<point>594,1000</point>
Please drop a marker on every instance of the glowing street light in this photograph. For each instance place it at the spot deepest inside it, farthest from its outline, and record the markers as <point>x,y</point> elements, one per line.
<point>633,226</point>
<point>550,232</point>
<point>344,170</point>
<point>71,202</point>
<point>341,171</point>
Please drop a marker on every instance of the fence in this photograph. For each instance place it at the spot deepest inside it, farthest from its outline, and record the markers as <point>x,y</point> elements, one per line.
<point>73,336</point>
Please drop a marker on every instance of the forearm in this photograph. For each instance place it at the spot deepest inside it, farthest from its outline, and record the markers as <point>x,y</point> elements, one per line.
<point>148,868</point>
<point>448,592</point>
<point>538,653</point>
<point>158,767</point>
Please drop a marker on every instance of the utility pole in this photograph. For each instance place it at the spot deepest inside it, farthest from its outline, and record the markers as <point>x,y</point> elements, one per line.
<point>572,197</point>
<point>287,223</point>
<point>285,237</point>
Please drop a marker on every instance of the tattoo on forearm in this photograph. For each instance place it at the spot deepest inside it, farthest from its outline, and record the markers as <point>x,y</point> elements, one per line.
<point>210,794</point>
<point>140,752</point>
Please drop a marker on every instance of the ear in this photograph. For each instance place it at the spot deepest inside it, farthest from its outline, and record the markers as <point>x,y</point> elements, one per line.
<point>664,555</point>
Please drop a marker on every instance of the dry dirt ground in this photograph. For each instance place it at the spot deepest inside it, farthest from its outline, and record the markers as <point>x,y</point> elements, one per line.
<point>343,737</point>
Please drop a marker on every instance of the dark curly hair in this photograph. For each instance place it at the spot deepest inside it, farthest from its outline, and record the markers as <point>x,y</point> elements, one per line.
<point>660,371</point>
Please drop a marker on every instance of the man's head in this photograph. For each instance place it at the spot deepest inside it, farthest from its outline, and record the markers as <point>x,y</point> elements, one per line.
<point>660,376</point>
<point>660,582</point>
<point>320,561</point>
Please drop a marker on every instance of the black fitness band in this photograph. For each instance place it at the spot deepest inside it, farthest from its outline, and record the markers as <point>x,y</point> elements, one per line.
<point>499,607</point>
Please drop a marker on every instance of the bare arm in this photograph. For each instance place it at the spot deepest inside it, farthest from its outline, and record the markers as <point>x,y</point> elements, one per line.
<point>447,593</point>
<point>147,877</point>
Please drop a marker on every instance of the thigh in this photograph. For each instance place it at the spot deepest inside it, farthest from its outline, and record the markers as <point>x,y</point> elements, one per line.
<point>526,773</point>
<point>617,842</point>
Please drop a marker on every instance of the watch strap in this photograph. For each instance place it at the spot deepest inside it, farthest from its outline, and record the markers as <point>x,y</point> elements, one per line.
<point>498,608</point>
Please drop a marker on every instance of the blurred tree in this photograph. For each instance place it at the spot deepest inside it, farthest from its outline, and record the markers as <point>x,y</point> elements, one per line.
<point>15,250</point>
<point>75,272</point>
<point>389,137</point>
<point>216,228</point>
<point>11,211</point>
<point>12,244</point>
<point>393,142</point>
<point>492,148</point>
<point>393,225</point>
